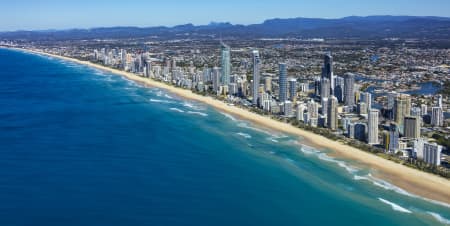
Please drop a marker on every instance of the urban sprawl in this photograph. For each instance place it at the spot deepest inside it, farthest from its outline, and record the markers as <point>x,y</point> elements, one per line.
<point>362,94</point>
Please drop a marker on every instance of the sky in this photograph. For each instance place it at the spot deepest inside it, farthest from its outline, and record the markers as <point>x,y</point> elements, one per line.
<point>62,14</point>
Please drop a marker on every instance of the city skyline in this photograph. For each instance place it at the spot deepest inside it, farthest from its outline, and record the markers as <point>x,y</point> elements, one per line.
<point>49,14</point>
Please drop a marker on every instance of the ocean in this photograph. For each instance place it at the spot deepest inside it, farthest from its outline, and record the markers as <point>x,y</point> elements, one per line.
<point>80,146</point>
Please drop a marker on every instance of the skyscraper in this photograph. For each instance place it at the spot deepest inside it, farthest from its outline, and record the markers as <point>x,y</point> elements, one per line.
<point>313,109</point>
<point>349,90</point>
<point>300,112</point>
<point>327,71</point>
<point>439,100</point>
<point>292,89</point>
<point>432,153</point>
<point>339,89</point>
<point>325,88</point>
<point>216,79</point>
<point>360,131</point>
<point>437,116</point>
<point>393,138</point>
<point>332,121</point>
<point>283,82</point>
<point>402,108</point>
<point>412,127</point>
<point>225,63</point>
<point>317,89</point>
<point>372,136</point>
<point>324,103</point>
<point>255,85</point>
<point>391,96</point>
<point>287,108</point>
<point>366,98</point>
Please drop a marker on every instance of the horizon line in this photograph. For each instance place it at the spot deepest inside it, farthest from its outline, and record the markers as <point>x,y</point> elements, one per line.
<point>210,23</point>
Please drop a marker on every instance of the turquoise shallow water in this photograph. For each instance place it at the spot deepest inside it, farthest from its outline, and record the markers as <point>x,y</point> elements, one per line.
<point>85,147</point>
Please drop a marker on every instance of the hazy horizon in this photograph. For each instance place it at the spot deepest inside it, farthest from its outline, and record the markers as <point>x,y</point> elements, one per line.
<point>209,23</point>
<point>83,14</point>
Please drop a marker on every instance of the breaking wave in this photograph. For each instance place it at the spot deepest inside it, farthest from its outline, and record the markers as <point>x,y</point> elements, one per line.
<point>177,110</point>
<point>245,135</point>
<point>439,218</point>
<point>161,101</point>
<point>197,113</point>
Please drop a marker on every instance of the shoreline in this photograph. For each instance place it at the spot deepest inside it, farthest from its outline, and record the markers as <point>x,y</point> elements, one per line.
<point>416,182</point>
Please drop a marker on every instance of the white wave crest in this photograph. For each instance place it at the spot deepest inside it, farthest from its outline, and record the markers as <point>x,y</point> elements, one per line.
<point>325,157</point>
<point>245,135</point>
<point>383,184</point>
<point>167,96</point>
<point>395,206</point>
<point>177,110</point>
<point>439,218</point>
<point>388,186</point>
<point>161,101</point>
<point>245,125</point>
<point>308,150</point>
<point>192,106</point>
<point>228,116</point>
<point>197,113</point>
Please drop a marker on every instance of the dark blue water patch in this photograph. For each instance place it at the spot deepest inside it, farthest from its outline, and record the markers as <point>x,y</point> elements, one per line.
<point>426,88</point>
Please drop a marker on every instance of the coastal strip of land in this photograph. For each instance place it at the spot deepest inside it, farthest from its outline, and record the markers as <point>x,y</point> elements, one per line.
<point>414,181</point>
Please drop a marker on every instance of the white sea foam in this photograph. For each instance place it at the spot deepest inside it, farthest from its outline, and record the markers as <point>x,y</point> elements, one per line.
<point>228,116</point>
<point>279,136</point>
<point>383,184</point>
<point>197,113</point>
<point>273,140</point>
<point>308,150</point>
<point>395,206</point>
<point>161,101</point>
<point>247,126</point>
<point>325,157</point>
<point>167,96</point>
<point>176,109</point>
<point>439,218</point>
<point>192,106</point>
<point>245,135</point>
<point>388,186</point>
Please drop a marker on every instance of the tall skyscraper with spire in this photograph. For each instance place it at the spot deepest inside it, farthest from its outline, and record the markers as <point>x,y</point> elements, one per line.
<point>225,64</point>
<point>327,71</point>
<point>255,85</point>
<point>283,82</point>
<point>325,85</point>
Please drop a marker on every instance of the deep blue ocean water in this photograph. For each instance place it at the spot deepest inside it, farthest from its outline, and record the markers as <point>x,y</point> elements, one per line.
<point>80,146</point>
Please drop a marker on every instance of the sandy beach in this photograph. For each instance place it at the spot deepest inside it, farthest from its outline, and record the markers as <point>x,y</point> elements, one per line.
<point>414,181</point>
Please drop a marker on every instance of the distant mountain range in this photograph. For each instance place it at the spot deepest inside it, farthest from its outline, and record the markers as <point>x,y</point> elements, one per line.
<point>347,27</point>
